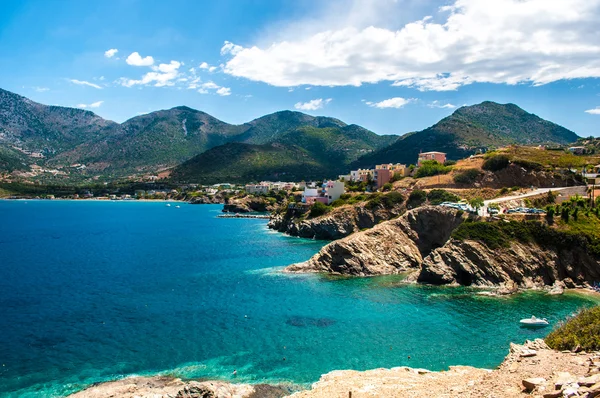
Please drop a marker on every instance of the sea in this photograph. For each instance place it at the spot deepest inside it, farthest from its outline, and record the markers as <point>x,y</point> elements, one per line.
<point>92,291</point>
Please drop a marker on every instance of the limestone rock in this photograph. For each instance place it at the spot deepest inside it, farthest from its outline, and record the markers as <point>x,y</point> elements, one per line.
<point>533,383</point>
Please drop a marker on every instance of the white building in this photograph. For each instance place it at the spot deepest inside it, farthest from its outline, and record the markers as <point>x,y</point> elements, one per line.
<point>258,189</point>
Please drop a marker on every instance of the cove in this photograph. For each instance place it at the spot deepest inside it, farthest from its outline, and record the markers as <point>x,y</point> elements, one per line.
<point>92,291</point>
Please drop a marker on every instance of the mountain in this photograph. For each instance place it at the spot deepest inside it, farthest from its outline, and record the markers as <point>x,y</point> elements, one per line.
<point>153,141</point>
<point>240,163</point>
<point>56,137</point>
<point>469,128</point>
<point>304,153</point>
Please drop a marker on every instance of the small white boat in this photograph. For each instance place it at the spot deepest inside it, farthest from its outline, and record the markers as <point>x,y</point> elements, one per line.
<point>534,322</point>
<point>178,207</point>
<point>168,205</point>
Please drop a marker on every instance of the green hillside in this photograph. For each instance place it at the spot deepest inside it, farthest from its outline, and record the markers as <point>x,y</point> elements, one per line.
<point>240,163</point>
<point>471,128</point>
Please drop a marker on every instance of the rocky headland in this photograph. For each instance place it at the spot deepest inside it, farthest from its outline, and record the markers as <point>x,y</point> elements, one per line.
<point>248,204</point>
<point>423,244</point>
<point>337,224</point>
<point>532,369</point>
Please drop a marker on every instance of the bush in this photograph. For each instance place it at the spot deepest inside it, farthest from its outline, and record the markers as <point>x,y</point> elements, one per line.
<point>496,163</point>
<point>416,198</point>
<point>468,176</point>
<point>437,196</point>
<point>338,203</point>
<point>318,209</point>
<point>529,165</point>
<point>583,330</point>
<point>431,168</point>
<point>387,187</point>
<point>387,201</point>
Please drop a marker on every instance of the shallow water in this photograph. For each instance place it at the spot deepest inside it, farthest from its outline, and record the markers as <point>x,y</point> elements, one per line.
<point>92,291</point>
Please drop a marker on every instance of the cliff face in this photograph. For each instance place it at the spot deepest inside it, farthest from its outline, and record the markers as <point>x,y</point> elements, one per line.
<point>525,265</point>
<point>388,248</point>
<point>337,224</point>
<point>248,204</point>
<point>420,243</point>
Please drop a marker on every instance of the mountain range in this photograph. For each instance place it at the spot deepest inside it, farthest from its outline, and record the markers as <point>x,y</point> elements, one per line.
<point>197,147</point>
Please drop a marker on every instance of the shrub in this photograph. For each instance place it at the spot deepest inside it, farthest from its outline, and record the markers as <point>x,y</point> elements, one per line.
<point>338,203</point>
<point>431,168</point>
<point>583,330</point>
<point>416,198</point>
<point>504,191</point>
<point>345,196</point>
<point>387,201</point>
<point>529,165</point>
<point>387,187</point>
<point>468,176</point>
<point>318,209</point>
<point>496,163</point>
<point>437,196</point>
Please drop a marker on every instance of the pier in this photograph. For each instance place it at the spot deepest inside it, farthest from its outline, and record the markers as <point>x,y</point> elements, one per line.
<point>237,215</point>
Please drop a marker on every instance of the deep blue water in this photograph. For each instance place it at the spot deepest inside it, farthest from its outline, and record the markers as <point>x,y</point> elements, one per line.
<point>92,291</point>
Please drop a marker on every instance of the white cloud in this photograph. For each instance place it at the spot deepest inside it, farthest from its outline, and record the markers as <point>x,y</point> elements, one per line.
<point>223,91</point>
<point>136,59</point>
<point>312,105</point>
<point>111,53</point>
<point>41,89</point>
<point>468,41</point>
<point>162,75</point>
<point>438,104</point>
<point>211,86</point>
<point>595,111</point>
<point>208,67</point>
<point>92,105</point>
<point>396,102</point>
<point>84,83</point>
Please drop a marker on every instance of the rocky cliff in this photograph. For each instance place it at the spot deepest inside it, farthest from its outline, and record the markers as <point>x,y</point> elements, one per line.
<point>248,204</point>
<point>337,224</point>
<point>525,265</point>
<point>391,247</point>
<point>421,242</point>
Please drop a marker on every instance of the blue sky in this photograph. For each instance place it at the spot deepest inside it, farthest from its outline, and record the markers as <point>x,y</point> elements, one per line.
<point>390,66</point>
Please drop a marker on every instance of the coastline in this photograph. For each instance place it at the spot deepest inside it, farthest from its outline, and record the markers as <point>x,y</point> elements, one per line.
<point>531,368</point>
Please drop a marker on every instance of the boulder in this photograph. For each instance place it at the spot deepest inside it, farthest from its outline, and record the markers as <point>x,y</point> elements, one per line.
<point>533,383</point>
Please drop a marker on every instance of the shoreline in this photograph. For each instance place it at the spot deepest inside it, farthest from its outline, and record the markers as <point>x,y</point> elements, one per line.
<point>531,368</point>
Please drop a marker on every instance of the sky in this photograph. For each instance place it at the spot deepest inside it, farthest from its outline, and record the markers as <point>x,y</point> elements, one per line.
<point>392,66</point>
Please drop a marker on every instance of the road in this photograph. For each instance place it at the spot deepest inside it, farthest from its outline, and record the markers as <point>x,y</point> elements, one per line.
<point>535,192</point>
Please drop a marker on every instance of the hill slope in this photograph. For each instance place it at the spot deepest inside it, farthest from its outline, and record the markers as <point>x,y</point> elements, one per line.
<point>472,127</point>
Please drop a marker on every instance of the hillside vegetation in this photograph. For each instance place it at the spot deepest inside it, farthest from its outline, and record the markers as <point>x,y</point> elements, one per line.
<point>471,128</point>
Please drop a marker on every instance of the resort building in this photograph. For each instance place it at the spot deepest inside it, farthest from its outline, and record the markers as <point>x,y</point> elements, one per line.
<point>257,189</point>
<point>327,193</point>
<point>384,172</point>
<point>577,150</point>
<point>439,157</point>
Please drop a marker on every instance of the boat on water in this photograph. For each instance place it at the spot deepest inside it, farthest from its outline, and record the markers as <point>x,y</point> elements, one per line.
<point>534,322</point>
<point>168,205</point>
<point>177,207</point>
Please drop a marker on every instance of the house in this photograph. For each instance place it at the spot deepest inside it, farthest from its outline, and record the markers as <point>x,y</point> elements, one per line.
<point>439,157</point>
<point>257,189</point>
<point>384,172</point>
<point>577,150</point>
<point>327,193</point>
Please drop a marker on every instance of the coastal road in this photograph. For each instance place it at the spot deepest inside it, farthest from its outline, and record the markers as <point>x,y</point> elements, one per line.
<point>535,192</point>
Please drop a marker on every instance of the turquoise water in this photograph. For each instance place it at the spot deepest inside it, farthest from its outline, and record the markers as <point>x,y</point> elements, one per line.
<point>92,291</point>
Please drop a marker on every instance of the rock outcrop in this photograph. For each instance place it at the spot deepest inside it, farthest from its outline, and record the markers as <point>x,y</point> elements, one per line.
<point>525,265</point>
<point>248,204</point>
<point>421,243</point>
<point>337,224</point>
<point>529,370</point>
<point>161,386</point>
<point>391,247</point>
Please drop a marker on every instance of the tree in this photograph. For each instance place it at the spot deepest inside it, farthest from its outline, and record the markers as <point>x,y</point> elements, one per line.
<point>477,203</point>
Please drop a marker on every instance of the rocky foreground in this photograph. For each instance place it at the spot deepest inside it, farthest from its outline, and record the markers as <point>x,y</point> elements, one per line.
<point>421,244</point>
<point>531,370</point>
